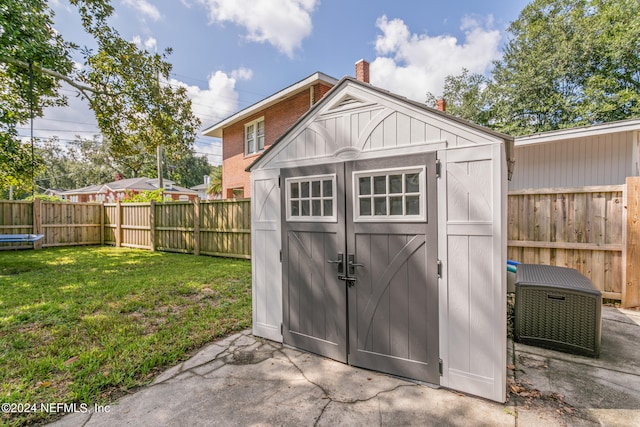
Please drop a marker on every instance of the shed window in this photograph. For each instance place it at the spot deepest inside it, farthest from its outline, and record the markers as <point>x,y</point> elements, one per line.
<point>397,194</point>
<point>311,198</point>
<point>254,137</point>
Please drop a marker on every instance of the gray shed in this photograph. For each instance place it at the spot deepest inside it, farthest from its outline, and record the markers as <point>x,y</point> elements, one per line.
<point>379,240</point>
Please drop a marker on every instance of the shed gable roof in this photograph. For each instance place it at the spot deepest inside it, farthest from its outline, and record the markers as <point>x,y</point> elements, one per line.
<point>356,117</point>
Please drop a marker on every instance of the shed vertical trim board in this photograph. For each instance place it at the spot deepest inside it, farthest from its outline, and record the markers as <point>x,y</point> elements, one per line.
<point>473,307</point>
<point>266,243</point>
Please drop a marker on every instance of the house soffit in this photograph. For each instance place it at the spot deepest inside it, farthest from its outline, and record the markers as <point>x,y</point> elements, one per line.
<point>578,133</point>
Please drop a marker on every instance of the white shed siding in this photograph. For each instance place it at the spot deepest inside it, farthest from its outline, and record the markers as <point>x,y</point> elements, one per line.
<point>265,244</point>
<point>604,159</point>
<point>474,240</point>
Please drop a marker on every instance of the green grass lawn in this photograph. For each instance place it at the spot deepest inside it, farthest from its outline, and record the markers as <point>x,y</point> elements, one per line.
<point>84,324</point>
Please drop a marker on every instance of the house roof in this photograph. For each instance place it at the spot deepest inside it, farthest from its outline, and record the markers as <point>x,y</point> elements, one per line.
<point>200,187</point>
<point>350,80</point>
<point>138,184</point>
<point>315,78</point>
<point>579,132</point>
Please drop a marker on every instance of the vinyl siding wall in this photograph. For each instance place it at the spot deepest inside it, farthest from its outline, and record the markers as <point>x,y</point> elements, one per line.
<point>596,160</point>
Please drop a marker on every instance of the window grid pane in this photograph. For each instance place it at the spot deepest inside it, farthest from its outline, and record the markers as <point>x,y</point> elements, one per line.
<point>365,186</point>
<point>254,137</point>
<point>380,206</point>
<point>380,184</point>
<point>260,135</point>
<point>395,195</point>
<point>327,188</point>
<point>312,198</point>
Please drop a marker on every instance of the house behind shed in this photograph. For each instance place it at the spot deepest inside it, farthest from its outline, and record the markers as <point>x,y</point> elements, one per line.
<point>379,239</point>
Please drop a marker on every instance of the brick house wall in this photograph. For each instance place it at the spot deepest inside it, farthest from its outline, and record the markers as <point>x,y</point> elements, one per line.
<point>277,119</point>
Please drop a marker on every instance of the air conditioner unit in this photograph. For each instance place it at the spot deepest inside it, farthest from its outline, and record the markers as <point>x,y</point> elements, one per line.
<point>557,308</point>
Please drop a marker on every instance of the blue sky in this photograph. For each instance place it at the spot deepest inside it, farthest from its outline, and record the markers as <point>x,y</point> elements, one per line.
<point>232,53</point>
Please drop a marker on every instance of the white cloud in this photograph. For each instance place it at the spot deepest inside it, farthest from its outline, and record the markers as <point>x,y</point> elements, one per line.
<point>219,99</point>
<point>282,23</point>
<point>414,64</point>
<point>149,44</point>
<point>145,8</point>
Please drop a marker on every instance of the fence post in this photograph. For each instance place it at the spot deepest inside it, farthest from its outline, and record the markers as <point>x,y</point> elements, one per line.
<point>102,208</point>
<point>118,224</point>
<point>152,224</point>
<point>196,226</point>
<point>631,288</point>
<point>37,222</point>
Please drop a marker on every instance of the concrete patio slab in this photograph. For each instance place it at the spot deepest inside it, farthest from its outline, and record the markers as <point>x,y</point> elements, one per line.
<point>246,381</point>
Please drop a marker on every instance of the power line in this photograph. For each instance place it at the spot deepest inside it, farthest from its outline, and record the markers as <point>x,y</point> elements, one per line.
<point>207,82</point>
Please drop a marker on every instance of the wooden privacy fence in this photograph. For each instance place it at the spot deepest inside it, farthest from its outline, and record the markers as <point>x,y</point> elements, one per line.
<point>220,227</point>
<point>595,230</point>
<point>63,224</point>
<point>592,229</point>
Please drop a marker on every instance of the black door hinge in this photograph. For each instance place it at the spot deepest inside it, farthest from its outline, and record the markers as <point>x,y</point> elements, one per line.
<point>280,255</point>
<point>281,329</point>
<point>440,366</point>
<point>279,181</point>
<point>438,168</point>
<point>439,266</point>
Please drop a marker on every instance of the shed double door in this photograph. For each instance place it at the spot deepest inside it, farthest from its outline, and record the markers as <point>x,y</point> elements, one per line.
<point>359,263</point>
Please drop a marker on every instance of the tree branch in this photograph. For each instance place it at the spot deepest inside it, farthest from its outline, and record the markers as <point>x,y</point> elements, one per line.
<point>84,90</point>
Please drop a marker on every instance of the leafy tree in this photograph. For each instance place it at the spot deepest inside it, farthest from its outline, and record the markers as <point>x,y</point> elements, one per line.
<point>188,169</point>
<point>568,63</point>
<point>27,43</point>
<point>89,161</point>
<point>465,95</point>
<point>145,196</point>
<point>57,166</point>
<point>45,198</point>
<point>122,83</point>
<point>215,181</point>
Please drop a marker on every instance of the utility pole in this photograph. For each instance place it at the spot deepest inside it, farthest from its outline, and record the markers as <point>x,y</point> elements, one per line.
<point>159,146</point>
<point>159,156</point>
<point>33,159</point>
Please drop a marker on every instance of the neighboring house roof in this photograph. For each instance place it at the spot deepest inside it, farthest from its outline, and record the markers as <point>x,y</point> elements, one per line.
<point>318,77</point>
<point>579,132</point>
<point>350,80</point>
<point>138,184</point>
<point>200,187</point>
<point>89,189</point>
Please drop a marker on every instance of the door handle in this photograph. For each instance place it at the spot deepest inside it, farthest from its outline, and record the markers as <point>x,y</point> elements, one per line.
<point>339,261</point>
<point>352,264</point>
